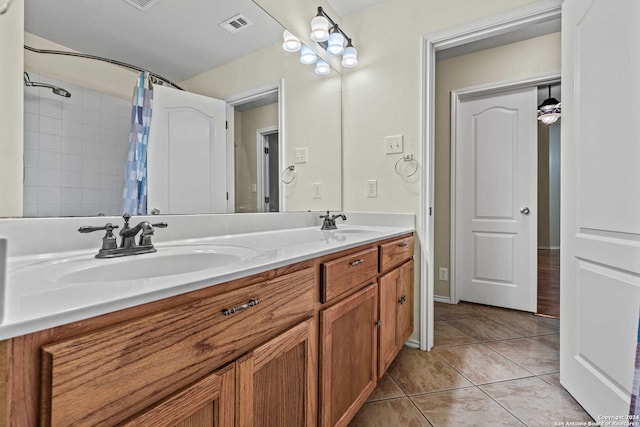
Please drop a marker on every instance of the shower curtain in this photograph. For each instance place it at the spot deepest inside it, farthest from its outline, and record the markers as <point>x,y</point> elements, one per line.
<point>135,181</point>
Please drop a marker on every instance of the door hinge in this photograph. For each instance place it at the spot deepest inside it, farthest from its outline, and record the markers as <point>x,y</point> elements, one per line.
<point>227,195</point>
<point>430,213</point>
<point>266,150</point>
<point>266,200</point>
<point>226,125</point>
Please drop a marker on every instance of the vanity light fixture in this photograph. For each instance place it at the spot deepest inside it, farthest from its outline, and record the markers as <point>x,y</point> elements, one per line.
<point>291,43</point>
<point>307,56</point>
<point>322,68</point>
<point>320,27</point>
<point>331,38</point>
<point>335,44</point>
<point>550,110</point>
<point>350,56</point>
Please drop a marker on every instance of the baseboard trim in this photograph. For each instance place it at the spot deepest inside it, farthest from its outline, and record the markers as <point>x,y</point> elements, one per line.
<point>438,298</point>
<point>412,344</point>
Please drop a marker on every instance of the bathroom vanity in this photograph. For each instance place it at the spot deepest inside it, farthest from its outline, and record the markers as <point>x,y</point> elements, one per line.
<point>302,343</point>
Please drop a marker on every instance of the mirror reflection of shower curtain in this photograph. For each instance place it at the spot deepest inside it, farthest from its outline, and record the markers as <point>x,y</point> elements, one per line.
<point>135,181</point>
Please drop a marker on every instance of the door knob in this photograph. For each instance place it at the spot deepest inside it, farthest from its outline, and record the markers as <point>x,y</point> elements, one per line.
<point>524,211</point>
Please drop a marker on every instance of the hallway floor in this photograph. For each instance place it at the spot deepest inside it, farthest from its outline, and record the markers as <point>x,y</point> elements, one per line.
<point>489,367</point>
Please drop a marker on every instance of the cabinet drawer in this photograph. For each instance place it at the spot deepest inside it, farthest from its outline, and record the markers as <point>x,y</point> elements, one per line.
<point>106,376</point>
<point>342,274</point>
<point>395,253</point>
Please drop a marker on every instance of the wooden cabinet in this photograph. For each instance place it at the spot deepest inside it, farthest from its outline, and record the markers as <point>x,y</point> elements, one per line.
<point>276,381</point>
<point>396,313</point>
<point>300,345</point>
<point>209,402</point>
<point>348,342</point>
<point>106,376</point>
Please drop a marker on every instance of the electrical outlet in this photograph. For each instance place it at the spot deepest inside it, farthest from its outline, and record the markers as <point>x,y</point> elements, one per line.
<point>254,188</point>
<point>301,155</point>
<point>443,274</point>
<point>372,188</point>
<point>394,144</point>
<point>316,190</point>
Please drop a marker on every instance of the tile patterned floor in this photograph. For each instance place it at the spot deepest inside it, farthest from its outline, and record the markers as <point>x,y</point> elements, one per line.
<point>489,367</point>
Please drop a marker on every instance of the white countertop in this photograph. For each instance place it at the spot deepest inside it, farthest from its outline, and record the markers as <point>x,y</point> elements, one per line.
<point>39,294</point>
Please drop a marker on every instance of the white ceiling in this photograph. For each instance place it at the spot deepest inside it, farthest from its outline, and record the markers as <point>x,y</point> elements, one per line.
<point>177,39</point>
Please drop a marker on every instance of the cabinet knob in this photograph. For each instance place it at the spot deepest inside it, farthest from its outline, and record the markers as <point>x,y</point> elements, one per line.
<point>378,323</point>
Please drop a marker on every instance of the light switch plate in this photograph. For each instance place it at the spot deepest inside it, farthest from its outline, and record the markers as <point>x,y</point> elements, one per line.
<point>394,144</point>
<point>301,155</point>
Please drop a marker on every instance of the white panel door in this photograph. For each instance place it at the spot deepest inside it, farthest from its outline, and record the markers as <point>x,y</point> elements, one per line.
<point>187,153</point>
<point>600,187</point>
<point>496,199</point>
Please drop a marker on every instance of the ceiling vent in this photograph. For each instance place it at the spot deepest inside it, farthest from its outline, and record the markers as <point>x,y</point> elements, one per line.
<point>236,23</point>
<point>142,5</point>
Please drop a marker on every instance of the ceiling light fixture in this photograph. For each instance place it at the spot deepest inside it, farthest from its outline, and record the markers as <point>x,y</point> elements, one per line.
<point>550,110</point>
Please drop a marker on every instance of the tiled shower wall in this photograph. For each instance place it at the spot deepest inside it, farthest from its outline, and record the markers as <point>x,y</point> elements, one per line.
<point>75,150</point>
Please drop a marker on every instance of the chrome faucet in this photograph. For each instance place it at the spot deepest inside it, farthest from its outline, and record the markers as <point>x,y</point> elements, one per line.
<point>329,222</point>
<point>128,245</point>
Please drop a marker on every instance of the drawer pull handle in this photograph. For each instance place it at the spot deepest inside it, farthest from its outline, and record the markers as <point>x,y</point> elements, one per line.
<point>356,262</point>
<point>402,299</point>
<point>251,303</point>
<point>403,245</point>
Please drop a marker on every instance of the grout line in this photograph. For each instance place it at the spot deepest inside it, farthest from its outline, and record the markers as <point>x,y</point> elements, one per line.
<point>503,407</point>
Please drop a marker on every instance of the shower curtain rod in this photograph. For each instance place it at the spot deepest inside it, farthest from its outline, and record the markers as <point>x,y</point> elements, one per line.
<point>99,58</point>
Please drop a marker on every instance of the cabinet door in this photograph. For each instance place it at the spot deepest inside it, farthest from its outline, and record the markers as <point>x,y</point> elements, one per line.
<point>388,343</point>
<point>208,402</point>
<point>404,319</point>
<point>277,381</point>
<point>348,341</point>
<point>396,313</point>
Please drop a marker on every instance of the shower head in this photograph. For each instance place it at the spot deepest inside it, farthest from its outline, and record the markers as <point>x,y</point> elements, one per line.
<point>57,90</point>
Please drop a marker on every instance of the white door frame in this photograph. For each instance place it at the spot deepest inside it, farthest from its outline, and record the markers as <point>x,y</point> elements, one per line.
<point>243,98</point>
<point>457,96</point>
<point>260,137</point>
<point>506,22</point>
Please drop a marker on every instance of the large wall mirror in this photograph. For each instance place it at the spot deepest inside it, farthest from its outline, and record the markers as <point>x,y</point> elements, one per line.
<point>76,148</point>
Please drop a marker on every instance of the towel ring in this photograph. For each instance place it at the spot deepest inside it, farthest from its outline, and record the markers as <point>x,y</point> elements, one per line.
<point>292,169</point>
<point>407,158</point>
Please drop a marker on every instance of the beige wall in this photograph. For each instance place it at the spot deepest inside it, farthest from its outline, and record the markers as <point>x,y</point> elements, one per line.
<point>246,154</point>
<point>543,186</point>
<point>522,59</point>
<point>11,110</point>
<point>312,114</point>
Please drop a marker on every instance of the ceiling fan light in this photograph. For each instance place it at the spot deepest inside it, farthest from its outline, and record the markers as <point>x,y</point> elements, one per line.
<point>291,43</point>
<point>319,29</point>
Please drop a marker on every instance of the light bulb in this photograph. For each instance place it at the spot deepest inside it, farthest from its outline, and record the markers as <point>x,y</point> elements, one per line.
<point>336,43</point>
<point>291,43</point>
<point>322,68</point>
<point>319,29</point>
<point>350,57</point>
<point>307,56</point>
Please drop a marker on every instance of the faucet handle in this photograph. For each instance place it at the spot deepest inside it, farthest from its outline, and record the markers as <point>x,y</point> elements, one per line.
<point>89,229</point>
<point>160,225</point>
<point>325,216</point>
